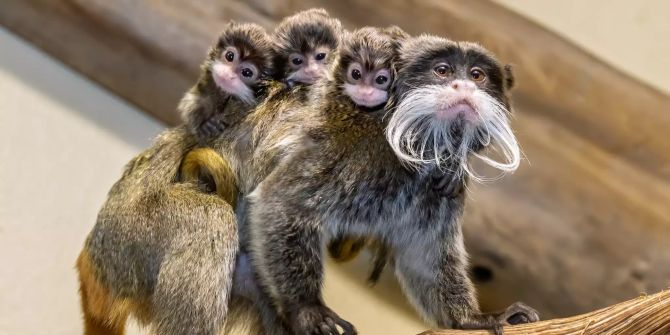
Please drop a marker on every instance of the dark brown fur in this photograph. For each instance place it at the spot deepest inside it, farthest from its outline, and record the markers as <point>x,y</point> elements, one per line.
<point>208,110</point>
<point>302,33</point>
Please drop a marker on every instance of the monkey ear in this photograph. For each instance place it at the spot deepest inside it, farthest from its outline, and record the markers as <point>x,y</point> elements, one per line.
<point>509,77</point>
<point>396,32</point>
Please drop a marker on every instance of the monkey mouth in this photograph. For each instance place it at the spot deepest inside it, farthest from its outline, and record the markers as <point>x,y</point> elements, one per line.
<point>458,109</point>
<point>303,78</point>
<point>434,127</point>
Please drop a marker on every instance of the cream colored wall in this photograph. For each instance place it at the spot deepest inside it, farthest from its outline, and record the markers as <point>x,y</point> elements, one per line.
<point>633,36</point>
<point>64,141</point>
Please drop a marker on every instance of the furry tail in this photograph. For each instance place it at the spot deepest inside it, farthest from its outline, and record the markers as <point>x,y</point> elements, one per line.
<point>206,166</point>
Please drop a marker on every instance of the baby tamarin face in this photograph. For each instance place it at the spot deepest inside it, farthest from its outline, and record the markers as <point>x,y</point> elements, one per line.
<point>305,44</point>
<point>364,70</point>
<point>451,101</point>
<point>241,59</point>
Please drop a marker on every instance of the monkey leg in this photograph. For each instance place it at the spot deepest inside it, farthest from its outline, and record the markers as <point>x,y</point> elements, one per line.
<point>103,314</point>
<point>344,248</point>
<point>245,285</point>
<point>287,251</point>
<point>194,282</point>
<point>438,286</point>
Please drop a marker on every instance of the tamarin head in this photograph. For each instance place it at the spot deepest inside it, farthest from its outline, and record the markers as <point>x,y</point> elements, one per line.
<point>450,101</point>
<point>364,70</point>
<point>240,60</point>
<point>305,44</point>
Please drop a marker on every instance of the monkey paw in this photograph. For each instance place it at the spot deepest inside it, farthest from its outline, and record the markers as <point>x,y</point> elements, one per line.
<point>319,319</point>
<point>212,128</point>
<point>515,314</point>
<point>518,313</point>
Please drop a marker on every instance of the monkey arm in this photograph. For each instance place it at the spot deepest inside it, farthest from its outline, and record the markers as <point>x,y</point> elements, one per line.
<point>436,282</point>
<point>438,285</point>
<point>286,248</point>
<point>288,254</point>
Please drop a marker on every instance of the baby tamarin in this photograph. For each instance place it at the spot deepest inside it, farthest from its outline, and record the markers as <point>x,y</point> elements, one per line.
<point>365,174</point>
<point>299,52</point>
<point>345,248</point>
<point>305,45</point>
<point>163,250</point>
<point>230,82</point>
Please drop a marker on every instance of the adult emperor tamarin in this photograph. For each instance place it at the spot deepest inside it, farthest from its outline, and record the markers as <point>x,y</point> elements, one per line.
<point>388,173</point>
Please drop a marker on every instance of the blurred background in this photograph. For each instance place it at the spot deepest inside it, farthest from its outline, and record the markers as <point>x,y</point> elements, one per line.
<point>585,222</point>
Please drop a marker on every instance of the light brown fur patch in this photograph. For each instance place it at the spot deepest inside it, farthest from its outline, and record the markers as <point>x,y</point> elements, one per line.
<point>104,314</point>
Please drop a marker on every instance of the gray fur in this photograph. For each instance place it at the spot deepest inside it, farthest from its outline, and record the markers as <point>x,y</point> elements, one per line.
<point>339,175</point>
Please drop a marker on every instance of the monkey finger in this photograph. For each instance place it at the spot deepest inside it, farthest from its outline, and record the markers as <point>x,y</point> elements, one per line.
<point>207,129</point>
<point>518,313</point>
<point>347,328</point>
<point>330,322</point>
<point>326,329</point>
<point>220,126</point>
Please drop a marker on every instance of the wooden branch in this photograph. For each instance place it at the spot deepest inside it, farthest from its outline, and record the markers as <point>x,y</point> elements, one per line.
<point>646,315</point>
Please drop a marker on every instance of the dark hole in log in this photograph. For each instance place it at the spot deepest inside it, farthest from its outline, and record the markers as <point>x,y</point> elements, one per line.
<point>482,274</point>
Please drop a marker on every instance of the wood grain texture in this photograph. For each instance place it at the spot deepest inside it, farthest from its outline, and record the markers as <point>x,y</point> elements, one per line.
<point>583,224</point>
<point>646,315</point>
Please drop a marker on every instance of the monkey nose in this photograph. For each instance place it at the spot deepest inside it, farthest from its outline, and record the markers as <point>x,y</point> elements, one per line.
<point>366,91</point>
<point>312,71</point>
<point>463,85</point>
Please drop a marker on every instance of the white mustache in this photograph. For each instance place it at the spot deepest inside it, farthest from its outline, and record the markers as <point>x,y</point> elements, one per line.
<point>421,139</point>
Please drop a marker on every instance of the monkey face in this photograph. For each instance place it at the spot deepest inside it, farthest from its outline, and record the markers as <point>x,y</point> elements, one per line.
<point>305,45</point>
<point>241,59</point>
<point>365,70</point>
<point>450,102</point>
<point>308,67</point>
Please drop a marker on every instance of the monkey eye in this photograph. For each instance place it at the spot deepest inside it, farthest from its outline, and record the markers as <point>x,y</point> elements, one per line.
<point>442,70</point>
<point>320,56</point>
<point>230,55</point>
<point>247,72</point>
<point>382,79</point>
<point>296,60</point>
<point>356,74</point>
<point>477,74</point>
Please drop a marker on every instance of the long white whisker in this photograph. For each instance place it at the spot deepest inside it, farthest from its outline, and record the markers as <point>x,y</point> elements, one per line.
<point>421,139</point>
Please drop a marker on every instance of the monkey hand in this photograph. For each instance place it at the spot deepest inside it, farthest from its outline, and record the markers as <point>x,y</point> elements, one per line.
<point>211,128</point>
<point>518,313</point>
<point>318,319</point>
<point>515,314</point>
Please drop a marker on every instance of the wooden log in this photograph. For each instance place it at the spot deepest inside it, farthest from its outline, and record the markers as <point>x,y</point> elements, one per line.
<point>584,225</point>
<point>566,84</point>
<point>146,52</point>
<point>646,315</point>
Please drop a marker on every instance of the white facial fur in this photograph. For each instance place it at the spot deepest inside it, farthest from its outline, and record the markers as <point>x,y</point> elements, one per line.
<point>309,67</point>
<point>235,76</point>
<point>424,117</point>
<point>367,88</point>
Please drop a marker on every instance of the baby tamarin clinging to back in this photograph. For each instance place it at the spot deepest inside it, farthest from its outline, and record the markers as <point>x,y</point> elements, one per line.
<point>230,82</point>
<point>163,250</point>
<point>299,52</point>
<point>305,46</point>
<point>388,178</point>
